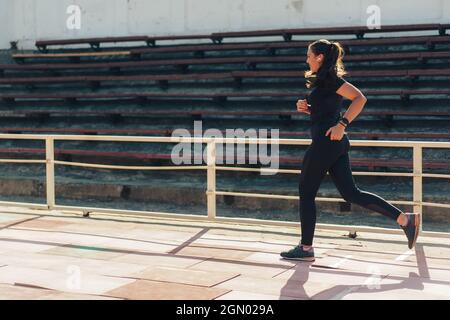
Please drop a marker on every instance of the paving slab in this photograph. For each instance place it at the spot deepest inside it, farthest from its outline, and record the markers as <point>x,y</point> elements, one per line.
<point>68,281</point>
<point>153,290</point>
<point>185,276</point>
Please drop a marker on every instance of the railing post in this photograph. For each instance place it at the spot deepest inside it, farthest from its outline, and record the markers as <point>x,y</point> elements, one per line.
<point>417,181</point>
<point>50,172</point>
<point>211,179</point>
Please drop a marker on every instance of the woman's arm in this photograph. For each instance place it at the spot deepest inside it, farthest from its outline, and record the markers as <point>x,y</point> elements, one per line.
<point>349,91</point>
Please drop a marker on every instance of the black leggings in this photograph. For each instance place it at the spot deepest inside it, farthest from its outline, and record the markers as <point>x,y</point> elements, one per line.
<point>330,155</point>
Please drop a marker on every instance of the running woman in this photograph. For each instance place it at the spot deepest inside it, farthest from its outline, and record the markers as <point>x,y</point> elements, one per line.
<point>328,151</point>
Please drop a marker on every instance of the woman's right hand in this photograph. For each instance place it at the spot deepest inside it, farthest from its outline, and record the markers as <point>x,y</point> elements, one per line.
<point>303,106</point>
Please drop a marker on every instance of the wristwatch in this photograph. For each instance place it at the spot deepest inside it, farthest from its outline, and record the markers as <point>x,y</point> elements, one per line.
<point>345,121</point>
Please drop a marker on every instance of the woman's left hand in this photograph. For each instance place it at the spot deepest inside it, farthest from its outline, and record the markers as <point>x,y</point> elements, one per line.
<point>336,132</point>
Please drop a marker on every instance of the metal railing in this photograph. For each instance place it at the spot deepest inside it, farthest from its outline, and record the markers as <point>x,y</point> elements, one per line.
<point>211,168</point>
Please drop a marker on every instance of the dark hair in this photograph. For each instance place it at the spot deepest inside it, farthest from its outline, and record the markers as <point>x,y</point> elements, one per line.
<point>332,66</point>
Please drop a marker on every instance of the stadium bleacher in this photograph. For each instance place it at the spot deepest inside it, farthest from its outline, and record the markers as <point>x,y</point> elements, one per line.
<point>136,89</point>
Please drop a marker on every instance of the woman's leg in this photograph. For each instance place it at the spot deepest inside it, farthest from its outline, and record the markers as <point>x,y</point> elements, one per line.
<point>342,177</point>
<point>314,169</point>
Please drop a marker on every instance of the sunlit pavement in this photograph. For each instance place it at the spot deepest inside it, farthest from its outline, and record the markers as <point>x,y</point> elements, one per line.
<point>57,255</point>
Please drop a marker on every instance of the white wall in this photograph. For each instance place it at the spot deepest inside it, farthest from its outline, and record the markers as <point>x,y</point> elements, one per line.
<point>26,21</point>
<point>5,30</point>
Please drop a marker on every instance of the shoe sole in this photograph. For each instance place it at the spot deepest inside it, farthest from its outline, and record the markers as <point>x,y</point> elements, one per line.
<point>300,259</point>
<point>416,234</point>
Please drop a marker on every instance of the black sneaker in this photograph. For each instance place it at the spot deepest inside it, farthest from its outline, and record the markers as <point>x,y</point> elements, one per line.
<point>412,228</point>
<point>299,254</point>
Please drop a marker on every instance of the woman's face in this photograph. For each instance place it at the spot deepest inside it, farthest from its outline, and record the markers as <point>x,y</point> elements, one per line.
<point>314,61</point>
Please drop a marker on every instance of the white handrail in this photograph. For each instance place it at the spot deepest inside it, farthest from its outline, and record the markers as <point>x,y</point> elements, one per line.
<point>356,143</point>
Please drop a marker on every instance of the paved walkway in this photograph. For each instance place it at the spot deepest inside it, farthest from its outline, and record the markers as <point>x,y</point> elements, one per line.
<point>63,256</point>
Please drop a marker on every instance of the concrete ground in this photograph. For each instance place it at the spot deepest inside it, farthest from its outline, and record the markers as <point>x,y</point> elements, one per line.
<point>58,255</point>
